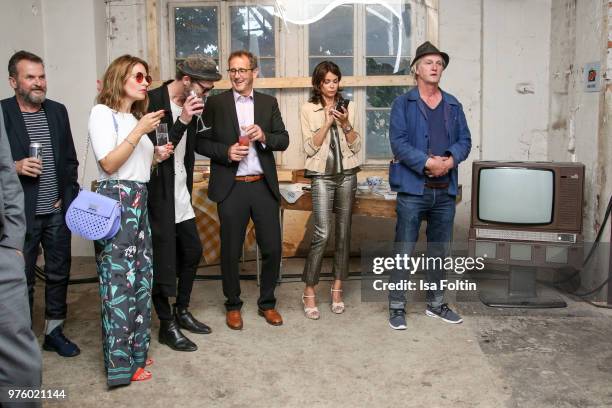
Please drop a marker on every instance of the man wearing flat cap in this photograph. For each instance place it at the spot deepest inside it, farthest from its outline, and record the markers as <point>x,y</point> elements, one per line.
<point>176,245</point>
<point>429,138</point>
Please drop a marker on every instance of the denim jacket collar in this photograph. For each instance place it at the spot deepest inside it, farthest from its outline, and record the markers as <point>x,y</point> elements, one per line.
<point>447,100</point>
<point>414,95</point>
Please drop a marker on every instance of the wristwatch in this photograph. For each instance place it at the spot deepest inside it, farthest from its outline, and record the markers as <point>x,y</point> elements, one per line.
<point>347,129</point>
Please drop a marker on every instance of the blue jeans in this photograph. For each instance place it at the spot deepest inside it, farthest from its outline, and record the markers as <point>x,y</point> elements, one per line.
<point>437,207</point>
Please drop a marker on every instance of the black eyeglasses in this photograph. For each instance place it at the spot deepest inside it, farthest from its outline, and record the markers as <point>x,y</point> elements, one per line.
<point>240,71</point>
<point>205,89</point>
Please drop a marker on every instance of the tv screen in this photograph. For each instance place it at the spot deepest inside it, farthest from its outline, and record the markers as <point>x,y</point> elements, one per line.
<point>516,195</point>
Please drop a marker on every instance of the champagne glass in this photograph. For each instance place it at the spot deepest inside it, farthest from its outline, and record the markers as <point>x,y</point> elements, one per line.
<point>161,134</point>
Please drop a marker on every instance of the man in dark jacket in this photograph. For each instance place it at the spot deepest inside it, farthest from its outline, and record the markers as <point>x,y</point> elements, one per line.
<point>176,245</point>
<point>49,185</point>
<point>243,181</point>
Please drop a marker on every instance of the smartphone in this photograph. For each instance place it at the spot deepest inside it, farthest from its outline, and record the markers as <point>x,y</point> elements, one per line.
<point>342,103</point>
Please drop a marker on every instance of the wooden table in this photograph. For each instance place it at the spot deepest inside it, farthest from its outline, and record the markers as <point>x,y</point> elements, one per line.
<point>366,204</point>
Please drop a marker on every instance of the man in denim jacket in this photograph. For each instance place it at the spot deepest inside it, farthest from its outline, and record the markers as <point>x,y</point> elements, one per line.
<point>429,138</point>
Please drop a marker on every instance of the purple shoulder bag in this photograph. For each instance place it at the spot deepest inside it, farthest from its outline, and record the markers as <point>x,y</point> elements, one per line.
<point>91,215</point>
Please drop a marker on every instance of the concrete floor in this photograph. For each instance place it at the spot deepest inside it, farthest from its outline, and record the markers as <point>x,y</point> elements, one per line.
<point>496,358</point>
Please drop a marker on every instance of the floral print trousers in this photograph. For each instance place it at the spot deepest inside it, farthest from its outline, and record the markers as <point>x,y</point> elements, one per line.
<point>125,270</point>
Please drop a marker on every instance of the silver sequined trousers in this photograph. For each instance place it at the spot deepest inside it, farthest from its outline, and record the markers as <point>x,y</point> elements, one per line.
<point>337,194</point>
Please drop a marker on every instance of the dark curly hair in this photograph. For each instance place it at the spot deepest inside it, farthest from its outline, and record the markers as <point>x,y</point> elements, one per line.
<point>318,76</point>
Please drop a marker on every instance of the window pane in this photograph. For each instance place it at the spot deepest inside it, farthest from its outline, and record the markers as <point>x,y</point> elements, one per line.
<point>268,91</point>
<point>253,29</point>
<point>196,31</point>
<point>385,38</point>
<point>383,96</point>
<point>344,63</point>
<point>377,131</point>
<point>386,66</point>
<point>378,108</point>
<point>348,93</point>
<point>333,34</point>
<point>267,67</point>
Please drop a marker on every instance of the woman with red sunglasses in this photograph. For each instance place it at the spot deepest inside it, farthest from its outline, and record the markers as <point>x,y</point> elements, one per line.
<point>124,157</point>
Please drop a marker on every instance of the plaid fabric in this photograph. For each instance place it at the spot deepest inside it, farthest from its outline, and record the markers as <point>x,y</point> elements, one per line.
<point>207,222</point>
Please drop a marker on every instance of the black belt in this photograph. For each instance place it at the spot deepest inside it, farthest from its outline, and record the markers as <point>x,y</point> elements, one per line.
<point>436,186</point>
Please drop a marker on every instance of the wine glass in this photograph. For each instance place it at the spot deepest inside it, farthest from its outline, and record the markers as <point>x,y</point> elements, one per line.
<point>201,126</point>
<point>243,139</point>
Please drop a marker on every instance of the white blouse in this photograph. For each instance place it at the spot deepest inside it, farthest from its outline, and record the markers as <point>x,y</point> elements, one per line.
<point>104,139</point>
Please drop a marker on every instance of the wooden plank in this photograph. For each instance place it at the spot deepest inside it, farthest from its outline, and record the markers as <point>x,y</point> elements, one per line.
<point>304,82</point>
<point>152,39</point>
<point>368,205</point>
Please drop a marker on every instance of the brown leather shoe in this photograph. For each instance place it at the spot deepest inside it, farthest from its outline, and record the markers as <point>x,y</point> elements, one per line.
<point>272,316</point>
<point>233,319</point>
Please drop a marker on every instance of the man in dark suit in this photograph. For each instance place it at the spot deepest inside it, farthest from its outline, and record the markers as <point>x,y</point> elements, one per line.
<point>49,185</point>
<point>243,180</point>
<point>176,245</point>
<point>20,362</point>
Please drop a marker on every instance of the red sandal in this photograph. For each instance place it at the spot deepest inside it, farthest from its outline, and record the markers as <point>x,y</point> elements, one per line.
<point>141,375</point>
<point>149,362</point>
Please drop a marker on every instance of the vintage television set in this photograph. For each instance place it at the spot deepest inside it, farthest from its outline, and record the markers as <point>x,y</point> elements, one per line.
<point>526,217</point>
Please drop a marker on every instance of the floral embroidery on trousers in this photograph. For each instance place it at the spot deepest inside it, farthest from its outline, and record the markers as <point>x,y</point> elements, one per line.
<point>125,271</point>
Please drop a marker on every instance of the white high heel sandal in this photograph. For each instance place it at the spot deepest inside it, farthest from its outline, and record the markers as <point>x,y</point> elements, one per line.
<point>310,312</point>
<point>336,307</point>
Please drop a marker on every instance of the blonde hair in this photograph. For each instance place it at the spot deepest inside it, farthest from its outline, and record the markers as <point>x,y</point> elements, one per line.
<point>113,82</point>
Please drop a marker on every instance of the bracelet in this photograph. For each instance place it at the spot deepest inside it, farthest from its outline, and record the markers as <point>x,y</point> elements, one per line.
<point>347,129</point>
<point>130,143</point>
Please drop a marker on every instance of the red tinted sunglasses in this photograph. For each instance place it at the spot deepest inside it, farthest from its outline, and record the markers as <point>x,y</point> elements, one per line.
<point>140,76</point>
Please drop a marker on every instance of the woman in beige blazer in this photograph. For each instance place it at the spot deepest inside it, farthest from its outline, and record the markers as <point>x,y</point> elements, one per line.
<point>332,149</point>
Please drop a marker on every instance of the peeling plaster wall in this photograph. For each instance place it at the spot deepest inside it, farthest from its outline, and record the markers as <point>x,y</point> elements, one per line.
<point>580,121</point>
<point>515,60</point>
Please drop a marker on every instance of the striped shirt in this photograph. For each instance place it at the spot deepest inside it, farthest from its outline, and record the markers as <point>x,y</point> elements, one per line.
<point>38,131</point>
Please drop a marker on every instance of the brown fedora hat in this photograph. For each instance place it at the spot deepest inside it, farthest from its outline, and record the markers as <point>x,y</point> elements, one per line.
<point>428,48</point>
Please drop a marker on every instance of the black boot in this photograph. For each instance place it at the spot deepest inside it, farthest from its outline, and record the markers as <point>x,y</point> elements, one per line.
<point>186,320</point>
<point>170,335</point>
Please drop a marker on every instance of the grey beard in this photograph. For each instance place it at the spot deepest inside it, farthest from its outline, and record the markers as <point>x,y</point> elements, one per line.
<point>30,98</point>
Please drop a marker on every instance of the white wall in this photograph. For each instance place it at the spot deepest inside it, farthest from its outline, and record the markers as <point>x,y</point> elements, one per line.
<point>75,55</point>
<point>70,37</point>
<point>460,36</point>
<point>515,89</point>
<point>21,28</point>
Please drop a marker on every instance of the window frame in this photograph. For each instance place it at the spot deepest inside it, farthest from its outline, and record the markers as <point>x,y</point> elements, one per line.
<point>224,29</point>
<point>427,19</point>
<point>359,70</point>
